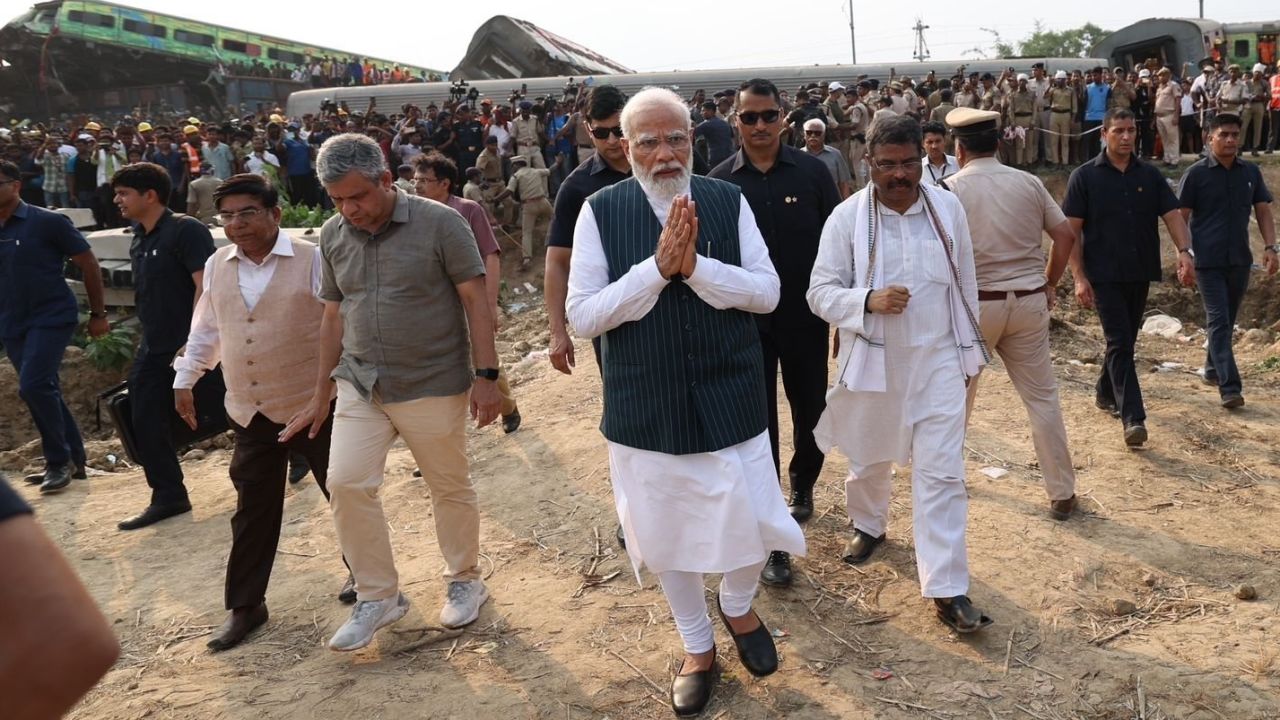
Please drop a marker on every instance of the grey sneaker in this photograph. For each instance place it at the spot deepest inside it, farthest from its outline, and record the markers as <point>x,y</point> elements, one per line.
<point>462,606</point>
<point>366,618</point>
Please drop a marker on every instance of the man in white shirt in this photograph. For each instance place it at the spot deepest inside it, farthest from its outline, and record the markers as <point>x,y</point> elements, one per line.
<point>938,165</point>
<point>259,318</point>
<point>684,398</point>
<point>264,163</point>
<point>895,274</point>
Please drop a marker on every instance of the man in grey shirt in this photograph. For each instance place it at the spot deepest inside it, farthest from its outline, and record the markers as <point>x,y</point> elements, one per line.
<point>815,137</point>
<point>403,287</point>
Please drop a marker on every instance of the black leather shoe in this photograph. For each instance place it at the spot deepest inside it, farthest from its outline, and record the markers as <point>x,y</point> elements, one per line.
<point>56,479</point>
<point>78,473</point>
<point>1232,401</point>
<point>1108,405</point>
<point>298,468</point>
<point>511,423</point>
<point>860,547</point>
<point>755,649</point>
<point>152,515</point>
<point>1135,434</point>
<point>347,595</point>
<point>801,504</point>
<point>237,627</point>
<point>622,538</point>
<point>960,615</point>
<point>1062,509</point>
<point>777,570</point>
<point>691,693</point>
<point>34,478</point>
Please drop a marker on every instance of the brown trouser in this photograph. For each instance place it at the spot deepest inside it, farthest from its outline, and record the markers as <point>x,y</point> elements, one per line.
<point>1059,144</point>
<point>535,215</point>
<point>1167,126</point>
<point>259,464</point>
<point>1018,329</point>
<point>1254,112</point>
<point>434,428</point>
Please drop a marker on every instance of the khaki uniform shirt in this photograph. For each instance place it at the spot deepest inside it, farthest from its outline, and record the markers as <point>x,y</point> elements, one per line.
<point>526,132</point>
<point>531,183</point>
<point>1008,212</point>
<point>966,99</point>
<point>490,166</point>
<point>837,119</point>
<point>935,98</point>
<point>404,331</point>
<point>1123,95</point>
<point>1233,97</point>
<point>1062,98</point>
<point>991,99</point>
<point>860,117</point>
<point>1258,88</point>
<point>1167,99</point>
<point>1041,89</point>
<point>1022,109</point>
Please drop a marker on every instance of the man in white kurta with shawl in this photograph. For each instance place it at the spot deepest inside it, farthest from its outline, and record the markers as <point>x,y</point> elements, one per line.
<point>668,269</point>
<point>895,275</point>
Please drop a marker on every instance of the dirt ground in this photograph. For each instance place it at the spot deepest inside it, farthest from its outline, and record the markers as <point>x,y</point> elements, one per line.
<point>1129,610</point>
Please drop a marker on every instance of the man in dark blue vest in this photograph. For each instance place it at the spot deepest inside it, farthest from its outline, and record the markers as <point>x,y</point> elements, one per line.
<point>668,268</point>
<point>791,193</point>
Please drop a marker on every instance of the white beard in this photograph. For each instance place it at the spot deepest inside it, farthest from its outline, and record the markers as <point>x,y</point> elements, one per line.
<point>665,189</point>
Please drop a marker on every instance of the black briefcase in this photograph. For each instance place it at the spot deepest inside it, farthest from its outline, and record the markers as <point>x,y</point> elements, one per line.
<point>211,416</point>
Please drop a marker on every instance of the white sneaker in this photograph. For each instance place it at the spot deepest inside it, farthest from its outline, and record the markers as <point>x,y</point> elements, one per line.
<point>462,606</point>
<point>366,618</point>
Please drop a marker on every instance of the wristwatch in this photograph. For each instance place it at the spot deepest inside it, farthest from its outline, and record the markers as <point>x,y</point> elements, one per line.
<point>1272,248</point>
<point>98,314</point>
<point>487,373</point>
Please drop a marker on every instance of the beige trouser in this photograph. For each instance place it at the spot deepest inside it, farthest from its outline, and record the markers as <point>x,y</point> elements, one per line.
<point>534,215</point>
<point>1252,118</point>
<point>1032,153</point>
<point>1059,146</point>
<point>1167,126</point>
<point>1018,329</point>
<point>534,153</point>
<point>504,390</point>
<point>857,151</point>
<point>434,428</point>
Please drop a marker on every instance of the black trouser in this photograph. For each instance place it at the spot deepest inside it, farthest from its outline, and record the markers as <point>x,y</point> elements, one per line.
<point>302,190</point>
<point>802,352</point>
<point>151,397</point>
<point>37,355</point>
<point>259,465</point>
<point>1275,130</point>
<point>1092,140</point>
<point>1120,306</point>
<point>1222,290</point>
<point>1146,138</point>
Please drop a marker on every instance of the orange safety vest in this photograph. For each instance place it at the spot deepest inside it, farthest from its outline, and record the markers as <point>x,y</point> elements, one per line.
<point>193,159</point>
<point>1275,92</point>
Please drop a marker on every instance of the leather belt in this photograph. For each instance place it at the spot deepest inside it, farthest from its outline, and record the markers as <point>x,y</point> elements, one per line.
<point>1023,114</point>
<point>1003,294</point>
<point>1059,111</point>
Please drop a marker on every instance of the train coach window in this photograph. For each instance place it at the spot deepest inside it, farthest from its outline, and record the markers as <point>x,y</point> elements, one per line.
<point>144,28</point>
<point>91,18</point>
<point>242,47</point>
<point>192,38</point>
<point>1242,49</point>
<point>286,56</point>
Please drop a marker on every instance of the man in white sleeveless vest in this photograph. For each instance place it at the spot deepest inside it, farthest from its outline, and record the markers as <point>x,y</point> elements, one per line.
<point>895,274</point>
<point>259,316</point>
<point>668,268</point>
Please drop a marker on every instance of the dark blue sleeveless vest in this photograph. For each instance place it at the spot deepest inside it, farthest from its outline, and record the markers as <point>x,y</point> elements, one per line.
<point>686,378</point>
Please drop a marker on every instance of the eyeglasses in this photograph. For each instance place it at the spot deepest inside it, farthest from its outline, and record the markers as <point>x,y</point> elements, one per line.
<point>246,215</point>
<point>908,166</point>
<point>602,133</point>
<point>752,117</point>
<point>424,180</point>
<point>646,145</point>
<point>814,132</point>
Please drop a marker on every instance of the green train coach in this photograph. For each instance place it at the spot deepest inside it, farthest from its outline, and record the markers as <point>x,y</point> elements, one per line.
<point>126,27</point>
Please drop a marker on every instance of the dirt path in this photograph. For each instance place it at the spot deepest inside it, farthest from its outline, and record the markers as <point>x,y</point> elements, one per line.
<point>1126,611</point>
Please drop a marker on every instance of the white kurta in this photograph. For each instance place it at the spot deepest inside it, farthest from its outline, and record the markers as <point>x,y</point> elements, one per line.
<point>705,512</point>
<point>894,370</point>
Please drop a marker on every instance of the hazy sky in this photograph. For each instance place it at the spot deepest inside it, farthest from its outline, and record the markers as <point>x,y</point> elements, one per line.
<point>665,35</point>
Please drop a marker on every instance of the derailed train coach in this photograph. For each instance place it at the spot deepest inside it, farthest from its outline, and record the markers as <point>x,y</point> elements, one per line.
<point>1183,43</point>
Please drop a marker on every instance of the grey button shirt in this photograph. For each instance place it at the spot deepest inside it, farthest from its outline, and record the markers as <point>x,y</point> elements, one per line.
<point>404,332</point>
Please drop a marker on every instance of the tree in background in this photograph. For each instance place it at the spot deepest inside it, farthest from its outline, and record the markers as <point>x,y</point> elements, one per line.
<point>1043,42</point>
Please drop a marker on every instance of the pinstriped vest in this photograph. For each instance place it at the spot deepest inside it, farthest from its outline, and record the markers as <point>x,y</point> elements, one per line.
<point>686,378</point>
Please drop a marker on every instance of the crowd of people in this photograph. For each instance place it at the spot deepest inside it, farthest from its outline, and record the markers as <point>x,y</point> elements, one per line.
<point>707,247</point>
<point>327,71</point>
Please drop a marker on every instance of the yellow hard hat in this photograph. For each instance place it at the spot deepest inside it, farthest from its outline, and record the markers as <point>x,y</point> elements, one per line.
<point>92,126</point>
<point>275,118</point>
<point>145,127</point>
<point>193,121</point>
<point>191,130</point>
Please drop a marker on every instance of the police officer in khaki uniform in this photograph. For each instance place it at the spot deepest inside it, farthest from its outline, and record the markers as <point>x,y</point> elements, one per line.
<point>859,120</point>
<point>527,131</point>
<point>490,166</point>
<point>1062,107</point>
<point>838,124</point>
<point>1233,95</point>
<point>530,184</point>
<point>1008,210</point>
<point>1021,113</point>
<point>1039,85</point>
<point>1259,93</point>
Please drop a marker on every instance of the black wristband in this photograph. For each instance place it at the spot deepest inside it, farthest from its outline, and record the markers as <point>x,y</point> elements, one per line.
<point>487,373</point>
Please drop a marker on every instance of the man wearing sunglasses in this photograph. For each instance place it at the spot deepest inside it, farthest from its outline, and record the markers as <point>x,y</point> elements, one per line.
<point>895,274</point>
<point>259,317</point>
<point>791,194</point>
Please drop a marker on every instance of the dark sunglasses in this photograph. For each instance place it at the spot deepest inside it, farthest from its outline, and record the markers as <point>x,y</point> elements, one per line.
<point>751,117</point>
<point>602,133</point>
<point>813,132</point>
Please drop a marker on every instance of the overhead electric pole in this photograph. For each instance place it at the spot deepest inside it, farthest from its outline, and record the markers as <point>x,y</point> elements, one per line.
<point>853,37</point>
<point>922,48</point>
